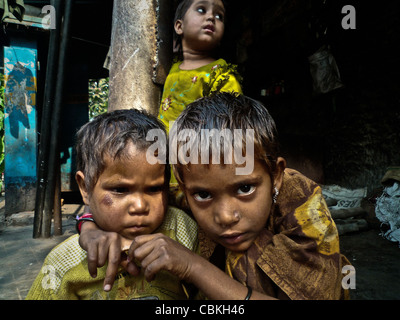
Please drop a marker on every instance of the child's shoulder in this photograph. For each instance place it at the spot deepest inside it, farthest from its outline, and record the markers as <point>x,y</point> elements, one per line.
<point>294,179</point>
<point>178,225</point>
<point>177,217</point>
<point>296,191</point>
<point>223,66</point>
<point>219,64</point>
<point>66,254</point>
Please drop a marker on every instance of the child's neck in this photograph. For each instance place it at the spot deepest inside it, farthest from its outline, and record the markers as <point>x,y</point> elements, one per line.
<point>194,60</point>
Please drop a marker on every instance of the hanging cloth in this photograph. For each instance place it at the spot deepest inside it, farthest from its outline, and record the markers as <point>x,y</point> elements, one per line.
<point>12,7</point>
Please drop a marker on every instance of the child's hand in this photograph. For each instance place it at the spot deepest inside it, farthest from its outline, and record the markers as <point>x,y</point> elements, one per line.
<point>102,246</point>
<point>158,252</point>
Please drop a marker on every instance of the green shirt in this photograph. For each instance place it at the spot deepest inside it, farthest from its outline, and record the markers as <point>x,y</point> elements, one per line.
<point>65,276</point>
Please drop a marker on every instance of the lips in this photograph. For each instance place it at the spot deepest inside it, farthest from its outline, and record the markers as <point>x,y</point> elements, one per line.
<point>136,228</point>
<point>232,238</point>
<point>132,231</point>
<point>209,28</point>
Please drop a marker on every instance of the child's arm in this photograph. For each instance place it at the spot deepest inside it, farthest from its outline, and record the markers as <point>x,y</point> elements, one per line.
<point>102,246</point>
<point>158,252</point>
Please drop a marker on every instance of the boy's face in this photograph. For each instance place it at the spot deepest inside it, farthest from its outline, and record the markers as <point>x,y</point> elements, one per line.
<point>232,209</point>
<point>202,27</point>
<point>130,195</point>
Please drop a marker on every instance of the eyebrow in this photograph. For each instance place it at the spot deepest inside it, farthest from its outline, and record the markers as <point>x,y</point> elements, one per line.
<point>217,6</point>
<point>122,180</point>
<point>248,180</point>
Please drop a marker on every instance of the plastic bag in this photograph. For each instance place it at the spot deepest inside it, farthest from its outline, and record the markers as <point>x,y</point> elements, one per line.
<point>387,210</point>
<point>346,198</point>
<point>324,71</point>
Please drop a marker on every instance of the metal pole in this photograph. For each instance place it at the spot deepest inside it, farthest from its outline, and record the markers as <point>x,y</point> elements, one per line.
<point>57,202</point>
<point>55,123</point>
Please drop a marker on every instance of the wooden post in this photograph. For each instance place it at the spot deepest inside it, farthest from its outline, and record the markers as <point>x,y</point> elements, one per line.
<point>141,53</point>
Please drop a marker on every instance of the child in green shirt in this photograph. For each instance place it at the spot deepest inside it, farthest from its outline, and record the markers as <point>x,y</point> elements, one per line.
<point>127,196</point>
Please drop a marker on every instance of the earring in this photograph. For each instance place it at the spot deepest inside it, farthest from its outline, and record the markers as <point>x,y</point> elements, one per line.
<point>275,196</point>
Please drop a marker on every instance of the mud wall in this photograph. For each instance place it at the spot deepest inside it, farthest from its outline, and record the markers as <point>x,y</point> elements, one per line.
<point>348,136</point>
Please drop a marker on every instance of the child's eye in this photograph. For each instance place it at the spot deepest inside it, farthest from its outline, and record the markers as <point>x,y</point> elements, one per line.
<point>246,189</point>
<point>119,190</point>
<point>219,16</point>
<point>202,196</point>
<point>156,189</point>
<point>201,10</point>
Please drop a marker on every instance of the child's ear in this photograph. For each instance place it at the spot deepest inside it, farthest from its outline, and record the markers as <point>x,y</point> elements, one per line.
<point>80,179</point>
<point>178,27</point>
<point>280,168</point>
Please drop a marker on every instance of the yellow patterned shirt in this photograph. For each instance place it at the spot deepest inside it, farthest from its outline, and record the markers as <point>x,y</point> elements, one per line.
<point>64,274</point>
<point>185,86</point>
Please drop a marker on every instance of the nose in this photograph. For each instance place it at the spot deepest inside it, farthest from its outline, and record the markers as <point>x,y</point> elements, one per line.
<point>138,204</point>
<point>226,215</point>
<point>210,16</point>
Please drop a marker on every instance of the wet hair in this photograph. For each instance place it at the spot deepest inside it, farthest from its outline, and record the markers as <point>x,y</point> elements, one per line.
<point>229,111</point>
<point>107,136</point>
<point>180,12</point>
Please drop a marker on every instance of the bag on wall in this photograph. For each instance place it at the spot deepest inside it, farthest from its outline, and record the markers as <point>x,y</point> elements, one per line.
<point>324,71</point>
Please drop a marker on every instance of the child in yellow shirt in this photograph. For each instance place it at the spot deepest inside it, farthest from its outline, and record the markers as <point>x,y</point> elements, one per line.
<point>199,28</point>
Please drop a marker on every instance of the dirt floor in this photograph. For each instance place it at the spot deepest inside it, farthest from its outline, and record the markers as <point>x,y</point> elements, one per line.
<point>377,265</point>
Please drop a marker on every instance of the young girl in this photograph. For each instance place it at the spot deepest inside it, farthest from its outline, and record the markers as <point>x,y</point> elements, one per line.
<point>199,28</point>
<point>266,234</point>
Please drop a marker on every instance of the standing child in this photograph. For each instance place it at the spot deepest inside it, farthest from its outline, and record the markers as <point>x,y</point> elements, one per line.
<point>267,232</point>
<point>199,28</point>
<point>128,197</point>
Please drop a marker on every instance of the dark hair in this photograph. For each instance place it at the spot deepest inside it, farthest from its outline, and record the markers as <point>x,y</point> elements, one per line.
<point>230,111</point>
<point>108,135</point>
